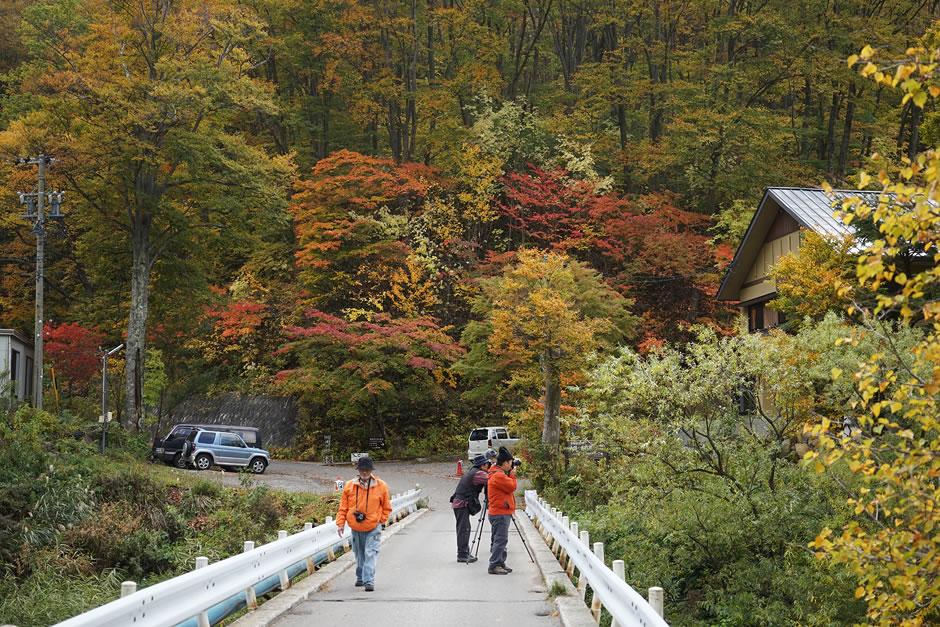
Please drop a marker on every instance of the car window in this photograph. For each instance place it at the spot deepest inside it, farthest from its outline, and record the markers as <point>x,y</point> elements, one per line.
<point>249,437</point>
<point>206,437</point>
<point>228,439</point>
<point>478,434</point>
<point>179,432</point>
<point>501,434</point>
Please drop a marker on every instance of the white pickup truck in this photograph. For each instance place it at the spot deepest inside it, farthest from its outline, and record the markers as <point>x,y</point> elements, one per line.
<point>483,438</point>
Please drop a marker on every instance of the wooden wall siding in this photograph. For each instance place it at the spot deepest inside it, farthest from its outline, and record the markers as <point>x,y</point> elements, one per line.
<point>784,224</point>
<point>757,283</point>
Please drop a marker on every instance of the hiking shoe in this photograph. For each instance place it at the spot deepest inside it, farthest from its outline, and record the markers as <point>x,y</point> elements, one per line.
<point>359,584</point>
<point>497,570</point>
<point>506,568</point>
<point>369,587</point>
<point>466,560</point>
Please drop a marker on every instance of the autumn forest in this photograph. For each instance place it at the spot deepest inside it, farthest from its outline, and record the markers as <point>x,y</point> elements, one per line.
<point>419,216</point>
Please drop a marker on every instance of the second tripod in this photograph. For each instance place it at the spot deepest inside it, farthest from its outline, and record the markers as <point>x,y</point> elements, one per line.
<point>478,534</point>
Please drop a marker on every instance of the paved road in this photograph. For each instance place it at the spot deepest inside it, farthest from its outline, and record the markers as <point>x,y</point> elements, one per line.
<point>418,581</point>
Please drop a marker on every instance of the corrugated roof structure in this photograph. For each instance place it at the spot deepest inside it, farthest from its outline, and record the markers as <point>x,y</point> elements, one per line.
<point>812,208</point>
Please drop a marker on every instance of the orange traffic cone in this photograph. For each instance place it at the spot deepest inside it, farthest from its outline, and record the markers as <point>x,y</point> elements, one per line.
<point>459,468</point>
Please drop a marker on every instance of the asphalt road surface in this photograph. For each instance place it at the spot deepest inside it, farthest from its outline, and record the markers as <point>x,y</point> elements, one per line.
<point>418,580</point>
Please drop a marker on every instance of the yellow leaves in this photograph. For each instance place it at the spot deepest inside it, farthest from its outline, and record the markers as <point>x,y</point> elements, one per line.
<point>860,592</point>
<point>836,372</point>
<point>852,60</point>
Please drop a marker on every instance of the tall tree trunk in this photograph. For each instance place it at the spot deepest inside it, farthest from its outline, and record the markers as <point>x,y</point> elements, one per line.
<point>831,132</point>
<point>912,147</point>
<point>135,351</point>
<point>846,133</point>
<point>431,77</point>
<point>807,114</point>
<point>551,422</point>
<point>394,130</point>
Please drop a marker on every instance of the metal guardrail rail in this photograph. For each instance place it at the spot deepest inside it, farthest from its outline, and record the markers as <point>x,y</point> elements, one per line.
<point>192,595</point>
<point>627,607</point>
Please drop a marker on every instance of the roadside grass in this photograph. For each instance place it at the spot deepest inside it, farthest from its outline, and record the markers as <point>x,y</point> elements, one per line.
<point>74,523</point>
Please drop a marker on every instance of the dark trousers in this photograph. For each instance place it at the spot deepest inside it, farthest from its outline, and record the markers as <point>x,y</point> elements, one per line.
<point>499,528</point>
<point>463,531</point>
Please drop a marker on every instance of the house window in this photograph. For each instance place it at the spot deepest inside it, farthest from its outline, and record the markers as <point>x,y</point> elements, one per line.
<point>755,317</point>
<point>29,377</point>
<point>14,366</point>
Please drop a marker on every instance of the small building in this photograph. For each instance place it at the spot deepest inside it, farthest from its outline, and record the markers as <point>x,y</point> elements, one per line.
<point>16,365</point>
<point>775,230</point>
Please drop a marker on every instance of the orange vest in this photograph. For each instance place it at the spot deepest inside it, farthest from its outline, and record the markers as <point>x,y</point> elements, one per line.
<point>374,502</point>
<point>500,488</point>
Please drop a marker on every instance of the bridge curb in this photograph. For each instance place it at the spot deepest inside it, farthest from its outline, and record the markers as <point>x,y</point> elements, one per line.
<point>572,612</point>
<point>272,610</point>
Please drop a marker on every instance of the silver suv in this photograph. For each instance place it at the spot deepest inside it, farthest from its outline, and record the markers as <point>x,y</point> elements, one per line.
<point>221,448</point>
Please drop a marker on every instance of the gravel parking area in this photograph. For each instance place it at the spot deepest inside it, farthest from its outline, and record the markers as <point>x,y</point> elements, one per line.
<point>438,479</point>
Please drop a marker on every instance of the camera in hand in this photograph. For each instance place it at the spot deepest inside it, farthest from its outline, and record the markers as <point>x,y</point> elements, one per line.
<point>359,516</point>
<point>516,463</point>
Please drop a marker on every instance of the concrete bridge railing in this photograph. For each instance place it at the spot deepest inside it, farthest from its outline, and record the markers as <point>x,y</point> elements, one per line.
<point>205,596</point>
<point>572,547</point>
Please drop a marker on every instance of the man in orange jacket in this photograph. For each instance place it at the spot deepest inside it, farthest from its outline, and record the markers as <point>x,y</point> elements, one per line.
<point>365,505</point>
<point>500,487</point>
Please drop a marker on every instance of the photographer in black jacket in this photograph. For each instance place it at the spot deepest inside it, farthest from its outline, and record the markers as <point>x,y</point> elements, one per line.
<point>466,503</point>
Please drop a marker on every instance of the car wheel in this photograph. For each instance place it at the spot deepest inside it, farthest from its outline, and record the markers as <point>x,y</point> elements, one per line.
<point>178,461</point>
<point>203,462</point>
<point>258,466</point>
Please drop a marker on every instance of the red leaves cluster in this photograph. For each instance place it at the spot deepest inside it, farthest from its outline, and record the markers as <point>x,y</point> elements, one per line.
<point>73,351</point>
<point>645,245</point>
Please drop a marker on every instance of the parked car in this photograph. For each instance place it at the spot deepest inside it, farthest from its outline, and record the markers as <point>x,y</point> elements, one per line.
<point>171,448</point>
<point>207,448</point>
<point>483,438</point>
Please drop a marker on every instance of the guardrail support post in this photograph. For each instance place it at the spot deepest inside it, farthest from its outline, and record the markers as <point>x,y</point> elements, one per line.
<point>311,567</point>
<point>285,580</point>
<point>128,588</point>
<point>570,569</point>
<point>563,555</point>
<point>203,619</point>
<point>582,580</point>
<point>251,601</point>
<point>656,600</point>
<point>596,600</point>
<point>621,572</point>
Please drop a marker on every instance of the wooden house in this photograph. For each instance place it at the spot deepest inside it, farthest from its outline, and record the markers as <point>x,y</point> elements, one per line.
<point>775,230</point>
<point>16,365</point>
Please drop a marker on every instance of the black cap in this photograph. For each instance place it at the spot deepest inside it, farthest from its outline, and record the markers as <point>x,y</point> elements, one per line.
<point>365,463</point>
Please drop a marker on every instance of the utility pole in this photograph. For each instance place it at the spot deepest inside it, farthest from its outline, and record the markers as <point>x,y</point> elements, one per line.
<point>35,211</point>
<point>104,393</point>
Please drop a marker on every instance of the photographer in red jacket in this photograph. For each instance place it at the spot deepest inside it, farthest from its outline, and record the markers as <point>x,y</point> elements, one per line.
<point>500,487</point>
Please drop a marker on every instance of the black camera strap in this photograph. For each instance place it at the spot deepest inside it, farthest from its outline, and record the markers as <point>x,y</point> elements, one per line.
<point>369,487</point>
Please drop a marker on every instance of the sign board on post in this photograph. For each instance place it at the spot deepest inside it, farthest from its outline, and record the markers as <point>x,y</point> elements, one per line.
<point>376,443</point>
<point>101,418</point>
<point>355,457</point>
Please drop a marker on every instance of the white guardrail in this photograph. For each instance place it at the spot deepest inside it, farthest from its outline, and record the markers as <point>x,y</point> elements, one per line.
<point>626,606</point>
<point>175,600</point>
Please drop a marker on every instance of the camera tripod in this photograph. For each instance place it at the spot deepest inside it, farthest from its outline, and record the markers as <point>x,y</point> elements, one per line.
<point>475,545</point>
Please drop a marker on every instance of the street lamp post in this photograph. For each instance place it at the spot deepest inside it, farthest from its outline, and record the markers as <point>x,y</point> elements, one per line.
<point>104,393</point>
<point>35,203</point>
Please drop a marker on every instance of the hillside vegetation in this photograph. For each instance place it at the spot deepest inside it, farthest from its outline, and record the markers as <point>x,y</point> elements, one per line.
<point>415,218</point>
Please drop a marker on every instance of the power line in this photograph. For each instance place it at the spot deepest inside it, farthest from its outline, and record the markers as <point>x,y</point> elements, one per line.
<point>35,204</point>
